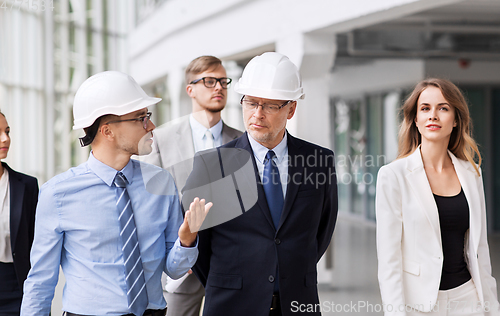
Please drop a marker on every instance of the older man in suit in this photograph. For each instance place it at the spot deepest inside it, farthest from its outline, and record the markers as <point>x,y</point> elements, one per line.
<point>175,144</point>
<point>263,262</point>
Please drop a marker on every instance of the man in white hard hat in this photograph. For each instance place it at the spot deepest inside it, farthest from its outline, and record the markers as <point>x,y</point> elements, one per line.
<point>263,262</point>
<point>174,146</point>
<point>112,223</point>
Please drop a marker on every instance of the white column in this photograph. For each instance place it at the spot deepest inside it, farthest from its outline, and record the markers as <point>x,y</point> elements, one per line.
<point>123,26</point>
<point>97,37</point>
<point>15,117</point>
<point>314,55</point>
<point>113,47</point>
<point>80,75</point>
<point>232,114</point>
<point>49,89</point>
<point>175,88</point>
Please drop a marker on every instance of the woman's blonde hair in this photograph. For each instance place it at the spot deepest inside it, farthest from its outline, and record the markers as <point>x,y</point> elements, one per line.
<point>461,144</point>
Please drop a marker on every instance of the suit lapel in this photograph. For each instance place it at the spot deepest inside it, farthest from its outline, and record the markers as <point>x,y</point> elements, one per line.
<point>227,136</point>
<point>16,204</point>
<point>261,201</point>
<point>295,175</point>
<point>422,189</point>
<point>467,177</point>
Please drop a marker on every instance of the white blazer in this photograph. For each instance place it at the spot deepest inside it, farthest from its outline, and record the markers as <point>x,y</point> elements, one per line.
<point>409,249</point>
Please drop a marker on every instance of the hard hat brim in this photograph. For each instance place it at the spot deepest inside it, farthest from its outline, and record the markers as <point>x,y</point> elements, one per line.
<point>130,107</point>
<point>268,94</point>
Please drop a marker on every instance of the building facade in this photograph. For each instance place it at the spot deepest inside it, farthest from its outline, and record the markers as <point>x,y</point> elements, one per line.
<point>47,49</point>
<point>358,59</point>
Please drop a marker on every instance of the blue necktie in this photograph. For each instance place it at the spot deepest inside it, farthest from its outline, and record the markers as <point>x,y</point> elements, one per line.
<point>274,195</point>
<point>272,187</point>
<point>134,274</point>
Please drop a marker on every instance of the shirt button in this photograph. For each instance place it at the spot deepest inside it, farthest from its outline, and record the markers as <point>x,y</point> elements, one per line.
<point>271,278</point>
<point>277,241</point>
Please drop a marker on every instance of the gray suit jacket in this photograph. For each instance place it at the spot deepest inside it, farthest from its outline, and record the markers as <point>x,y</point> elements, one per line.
<point>173,150</point>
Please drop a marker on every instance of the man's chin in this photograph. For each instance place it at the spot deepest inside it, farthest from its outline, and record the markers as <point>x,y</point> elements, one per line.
<point>215,108</point>
<point>259,136</point>
<point>145,149</point>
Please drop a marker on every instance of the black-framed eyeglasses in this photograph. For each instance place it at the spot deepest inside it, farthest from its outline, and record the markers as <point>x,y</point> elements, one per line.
<point>211,82</point>
<point>267,108</point>
<point>144,119</point>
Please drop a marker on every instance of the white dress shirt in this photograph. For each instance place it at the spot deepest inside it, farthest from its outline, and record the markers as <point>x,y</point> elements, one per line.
<point>199,133</point>
<point>5,247</point>
<point>281,159</point>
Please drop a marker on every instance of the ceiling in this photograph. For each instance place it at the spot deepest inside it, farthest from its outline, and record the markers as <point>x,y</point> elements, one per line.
<point>468,30</point>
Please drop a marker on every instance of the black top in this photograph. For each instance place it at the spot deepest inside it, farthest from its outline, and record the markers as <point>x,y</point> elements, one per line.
<point>454,222</point>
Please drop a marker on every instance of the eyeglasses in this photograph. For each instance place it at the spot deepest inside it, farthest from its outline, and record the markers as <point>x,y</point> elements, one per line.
<point>211,82</point>
<point>144,119</point>
<point>266,108</point>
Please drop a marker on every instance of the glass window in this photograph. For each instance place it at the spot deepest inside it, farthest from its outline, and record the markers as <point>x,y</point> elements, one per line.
<point>341,114</point>
<point>350,142</point>
<point>365,139</point>
<point>374,149</point>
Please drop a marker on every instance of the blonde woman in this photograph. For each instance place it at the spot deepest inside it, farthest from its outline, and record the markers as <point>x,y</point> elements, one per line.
<point>433,256</point>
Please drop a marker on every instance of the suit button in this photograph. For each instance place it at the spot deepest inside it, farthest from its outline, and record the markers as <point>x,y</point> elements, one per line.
<point>271,278</point>
<point>13,254</point>
<point>277,241</point>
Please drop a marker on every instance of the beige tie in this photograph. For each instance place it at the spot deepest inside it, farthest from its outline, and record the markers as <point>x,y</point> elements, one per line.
<point>209,140</point>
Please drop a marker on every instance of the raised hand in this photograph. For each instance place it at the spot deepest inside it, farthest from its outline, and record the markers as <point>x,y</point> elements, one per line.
<point>193,219</point>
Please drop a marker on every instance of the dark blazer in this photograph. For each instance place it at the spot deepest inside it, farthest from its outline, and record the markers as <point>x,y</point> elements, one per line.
<point>23,200</point>
<point>238,258</point>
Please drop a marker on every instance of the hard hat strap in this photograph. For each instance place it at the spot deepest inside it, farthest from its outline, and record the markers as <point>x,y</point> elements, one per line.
<point>90,132</point>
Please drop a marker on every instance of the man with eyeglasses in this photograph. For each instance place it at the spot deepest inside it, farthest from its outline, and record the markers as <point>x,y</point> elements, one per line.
<point>112,224</point>
<point>263,262</point>
<point>175,145</point>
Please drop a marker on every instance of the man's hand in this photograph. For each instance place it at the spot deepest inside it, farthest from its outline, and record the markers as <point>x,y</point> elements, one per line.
<point>193,219</point>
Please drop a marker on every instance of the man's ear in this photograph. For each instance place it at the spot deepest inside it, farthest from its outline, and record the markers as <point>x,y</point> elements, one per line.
<point>189,90</point>
<point>291,109</point>
<point>106,131</point>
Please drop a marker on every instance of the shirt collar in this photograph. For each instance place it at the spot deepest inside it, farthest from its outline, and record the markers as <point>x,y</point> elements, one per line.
<point>199,130</point>
<point>260,151</point>
<point>106,173</point>
<point>4,180</point>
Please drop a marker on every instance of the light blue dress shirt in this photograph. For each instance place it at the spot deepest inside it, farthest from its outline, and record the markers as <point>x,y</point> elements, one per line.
<point>77,228</point>
<point>281,159</point>
<point>199,133</point>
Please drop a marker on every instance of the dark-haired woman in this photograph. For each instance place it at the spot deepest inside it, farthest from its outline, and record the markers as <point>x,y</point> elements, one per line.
<point>18,199</point>
<point>433,256</point>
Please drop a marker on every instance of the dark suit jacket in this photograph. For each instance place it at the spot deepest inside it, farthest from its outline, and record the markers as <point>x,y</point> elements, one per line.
<point>23,200</point>
<point>237,260</point>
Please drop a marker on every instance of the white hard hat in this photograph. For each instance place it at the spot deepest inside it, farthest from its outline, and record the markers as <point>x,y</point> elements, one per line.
<point>108,92</point>
<point>271,76</point>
